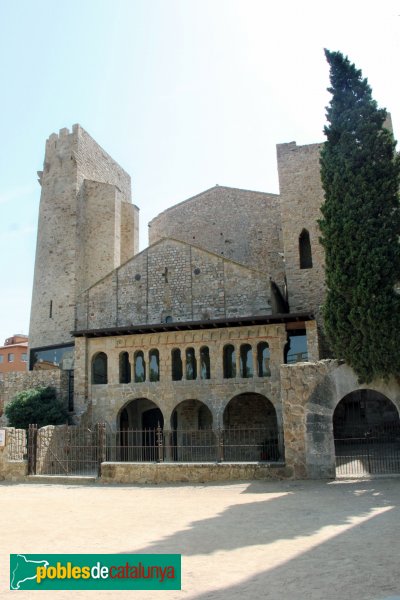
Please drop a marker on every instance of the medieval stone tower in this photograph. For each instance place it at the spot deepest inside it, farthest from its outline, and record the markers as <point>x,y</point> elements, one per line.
<point>87,227</point>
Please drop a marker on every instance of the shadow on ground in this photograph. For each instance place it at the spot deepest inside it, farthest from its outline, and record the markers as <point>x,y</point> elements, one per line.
<point>359,563</point>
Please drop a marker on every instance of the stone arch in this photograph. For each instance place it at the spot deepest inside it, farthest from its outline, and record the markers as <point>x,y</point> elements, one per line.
<point>314,453</point>
<point>251,429</point>
<point>250,410</point>
<point>137,424</point>
<point>363,412</point>
<point>136,413</point>
<point>191,414</point>
<point>191,437</point>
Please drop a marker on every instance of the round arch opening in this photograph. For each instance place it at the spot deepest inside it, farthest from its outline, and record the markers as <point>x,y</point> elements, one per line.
<point>191,414</point>
<point>366,429</point>
<point>139,422</point>
<point>363,413</point>
<point>251,429</point>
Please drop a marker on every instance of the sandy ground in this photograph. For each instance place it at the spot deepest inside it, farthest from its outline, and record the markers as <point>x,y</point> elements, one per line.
<point>280,541</point>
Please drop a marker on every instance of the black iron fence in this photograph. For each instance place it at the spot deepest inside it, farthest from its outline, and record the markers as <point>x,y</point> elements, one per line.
<point>194,445</point>
<point>371,451</point>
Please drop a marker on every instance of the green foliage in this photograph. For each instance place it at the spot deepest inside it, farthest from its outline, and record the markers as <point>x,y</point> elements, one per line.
<point>360,173</point>
<point>38,405</point>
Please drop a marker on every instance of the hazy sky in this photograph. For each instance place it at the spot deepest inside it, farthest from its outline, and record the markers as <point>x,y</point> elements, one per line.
<point>184,94</point>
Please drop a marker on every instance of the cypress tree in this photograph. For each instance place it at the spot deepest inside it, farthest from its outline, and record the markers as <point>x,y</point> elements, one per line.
<point>360,227</point>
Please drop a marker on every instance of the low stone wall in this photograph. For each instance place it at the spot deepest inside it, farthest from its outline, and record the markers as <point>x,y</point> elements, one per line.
<point>13,465</point>
<point>122,472</point>
<point>14,383</point>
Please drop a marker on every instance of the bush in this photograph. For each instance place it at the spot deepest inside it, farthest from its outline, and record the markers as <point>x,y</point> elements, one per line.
<point>38,405</point>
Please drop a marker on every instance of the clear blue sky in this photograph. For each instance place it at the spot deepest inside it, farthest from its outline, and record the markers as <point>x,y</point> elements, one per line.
<point>184,94</point>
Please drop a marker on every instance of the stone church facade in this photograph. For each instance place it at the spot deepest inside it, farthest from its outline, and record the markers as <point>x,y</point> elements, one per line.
<point>215,325</point>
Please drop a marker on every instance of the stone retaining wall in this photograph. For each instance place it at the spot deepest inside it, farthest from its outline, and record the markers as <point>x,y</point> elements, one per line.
<point>121,472</point>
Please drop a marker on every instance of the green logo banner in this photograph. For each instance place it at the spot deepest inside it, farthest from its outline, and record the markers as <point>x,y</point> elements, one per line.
<point>95,571</point>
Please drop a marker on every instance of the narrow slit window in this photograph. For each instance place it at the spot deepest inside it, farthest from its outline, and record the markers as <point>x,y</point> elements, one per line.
<point>176,360</point>
<point>140,367</point>
<point>305,250</point>
<point>263,359</point>
<point>229,362</point>
<point>154,365</point>
<point>246,361</point>
<point>204,363</point>
<point>191,364</point>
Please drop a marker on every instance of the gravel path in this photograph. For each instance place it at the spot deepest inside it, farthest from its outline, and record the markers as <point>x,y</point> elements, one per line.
<point>270,540</point>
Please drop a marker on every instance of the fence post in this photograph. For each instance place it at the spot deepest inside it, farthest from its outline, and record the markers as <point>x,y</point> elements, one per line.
<point>159,438</point>
<point>101,446</point>
<point>167,445</point>
<point>220,440</point>
<point>32,449</point>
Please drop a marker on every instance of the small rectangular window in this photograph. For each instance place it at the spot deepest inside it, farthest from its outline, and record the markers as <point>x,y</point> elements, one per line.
<point>1,358</point>
<point>24,357</point>
<point>10,357</point>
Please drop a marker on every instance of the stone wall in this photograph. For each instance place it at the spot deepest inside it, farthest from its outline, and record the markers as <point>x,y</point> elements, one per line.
<point>174,279</point>
<point>242,225</point>
<point>68,218</point>
<point>13,463</point>
<point>14,383</point>
<point>301,198</point>
<point>117,472</point>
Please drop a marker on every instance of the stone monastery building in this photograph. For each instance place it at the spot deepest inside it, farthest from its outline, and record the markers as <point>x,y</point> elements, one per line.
<point>213,327</point>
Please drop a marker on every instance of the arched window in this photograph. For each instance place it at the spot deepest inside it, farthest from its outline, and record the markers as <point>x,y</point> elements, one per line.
<point>99,368</point>
<point>229,361</point>
<point>154,365</point>
<point>176,365</point>
<point>305,250</point>
<point>204,363</point>
<point>246,360</point>
<point>140,367</point>
<point>124,368</point>
<point>263,357</point>
<point>191,364</point>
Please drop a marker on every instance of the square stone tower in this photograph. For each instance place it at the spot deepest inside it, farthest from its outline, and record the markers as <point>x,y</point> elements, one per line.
<point>87,227</point>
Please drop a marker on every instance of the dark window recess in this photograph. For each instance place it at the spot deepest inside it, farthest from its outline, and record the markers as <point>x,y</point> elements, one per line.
<point>154,365</point>
<point>305,250</point>
<point>246,361</point>
<point>229,362</point>
<point>168,319</point>
<point>70,390</point>
<point>138,277</point>
<point>191,364</point>
<point>124,368</point>
<point>51,309</point>
<point>177,371</point>
<point>197,271</point>
<point>140,367</point>
<point>204,363</point>
<point>296,347</point>
<point>263,360</point>
<point>99,368</point>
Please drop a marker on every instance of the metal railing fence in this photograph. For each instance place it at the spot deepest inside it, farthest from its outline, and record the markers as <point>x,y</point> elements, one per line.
<point>234,444</point>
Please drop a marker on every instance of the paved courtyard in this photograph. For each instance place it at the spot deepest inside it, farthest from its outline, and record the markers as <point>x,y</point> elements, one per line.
<point>279,541</point>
